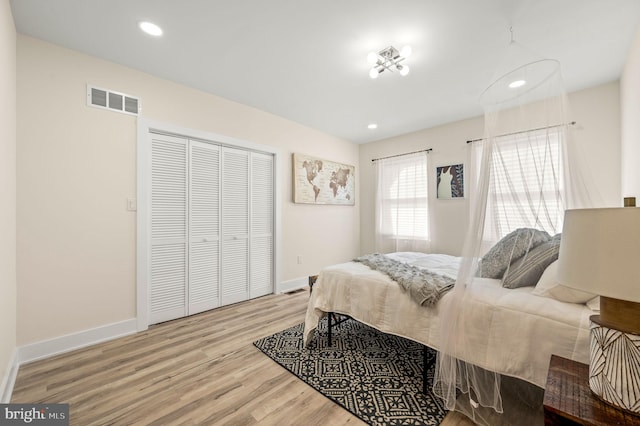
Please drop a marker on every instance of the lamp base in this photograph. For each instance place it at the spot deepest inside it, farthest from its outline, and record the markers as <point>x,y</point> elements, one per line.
<point>614,368</point>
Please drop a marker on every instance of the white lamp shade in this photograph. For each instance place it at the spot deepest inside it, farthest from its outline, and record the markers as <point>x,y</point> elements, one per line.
<point>600,252</point>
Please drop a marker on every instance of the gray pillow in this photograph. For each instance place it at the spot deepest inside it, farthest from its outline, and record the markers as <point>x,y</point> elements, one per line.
<point>527,270</point>
<point>512,246</point>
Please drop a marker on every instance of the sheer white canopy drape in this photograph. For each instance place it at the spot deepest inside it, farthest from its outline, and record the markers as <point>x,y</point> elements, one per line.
<point>402,207</point>
<point>526,183</point>
<point>519,178</point>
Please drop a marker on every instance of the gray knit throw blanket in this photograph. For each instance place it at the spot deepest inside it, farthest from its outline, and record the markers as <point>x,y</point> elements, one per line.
<point>423,286</point>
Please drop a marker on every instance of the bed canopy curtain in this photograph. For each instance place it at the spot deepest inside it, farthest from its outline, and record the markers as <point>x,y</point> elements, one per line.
<point>526,185</point>
<point>402,208</point>
<point>522,181</point>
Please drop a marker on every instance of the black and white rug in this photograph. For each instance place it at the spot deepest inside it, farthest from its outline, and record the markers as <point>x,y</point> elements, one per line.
<point>375,376</point>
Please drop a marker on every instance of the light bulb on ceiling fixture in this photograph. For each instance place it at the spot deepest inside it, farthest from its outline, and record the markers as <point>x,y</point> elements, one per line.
<point>374,73</point>
<point>372,57</point>
<point>150,28</point>
<point>372,126</point>
<point>404,70</point>
<point>406,51</point>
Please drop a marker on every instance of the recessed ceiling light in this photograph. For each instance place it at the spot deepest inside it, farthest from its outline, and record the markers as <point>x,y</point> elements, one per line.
<point>372,126</point>
<point>517,83</point>
<point>150,28</point>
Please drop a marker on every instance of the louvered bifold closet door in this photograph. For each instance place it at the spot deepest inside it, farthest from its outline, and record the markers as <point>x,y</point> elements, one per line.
<point>261,242</point>
<point>168,263</point>
<point>204,228</point>
<point>235,225</point>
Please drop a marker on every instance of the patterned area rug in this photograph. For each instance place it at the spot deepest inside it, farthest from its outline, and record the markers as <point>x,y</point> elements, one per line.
<point>375,376</point>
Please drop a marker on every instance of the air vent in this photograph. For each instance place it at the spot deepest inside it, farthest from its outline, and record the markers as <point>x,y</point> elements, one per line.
<point>115,101</point>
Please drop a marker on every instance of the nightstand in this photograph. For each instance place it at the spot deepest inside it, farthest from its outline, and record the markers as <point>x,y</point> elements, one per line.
<point>569,401</point>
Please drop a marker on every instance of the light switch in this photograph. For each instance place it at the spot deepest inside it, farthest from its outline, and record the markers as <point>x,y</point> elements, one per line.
<point>132,205</point>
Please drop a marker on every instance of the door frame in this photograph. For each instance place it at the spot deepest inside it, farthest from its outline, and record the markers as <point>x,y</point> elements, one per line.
<point>143,217</point>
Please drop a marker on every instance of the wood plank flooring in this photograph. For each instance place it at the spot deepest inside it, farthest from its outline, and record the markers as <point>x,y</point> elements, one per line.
<point>201,369</point>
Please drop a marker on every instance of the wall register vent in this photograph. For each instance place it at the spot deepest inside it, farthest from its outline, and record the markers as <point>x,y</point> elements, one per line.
<point>115,101</point>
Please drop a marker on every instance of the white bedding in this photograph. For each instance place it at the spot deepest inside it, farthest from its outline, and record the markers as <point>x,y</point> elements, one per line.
<point>510,331</point>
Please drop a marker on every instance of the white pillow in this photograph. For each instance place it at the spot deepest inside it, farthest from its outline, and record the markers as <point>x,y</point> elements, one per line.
<point>594,304</point>
<point>548,286</point>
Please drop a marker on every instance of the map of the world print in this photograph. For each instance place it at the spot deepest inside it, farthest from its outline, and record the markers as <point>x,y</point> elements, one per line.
<point>317,181</point>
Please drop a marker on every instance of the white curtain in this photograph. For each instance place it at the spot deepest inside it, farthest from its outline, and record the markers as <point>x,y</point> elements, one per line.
<point>526,183</point>
<point>402,208</point>
<point>519,179</point>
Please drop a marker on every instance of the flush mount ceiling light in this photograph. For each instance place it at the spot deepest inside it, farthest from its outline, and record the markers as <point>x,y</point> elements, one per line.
<point>150,28</point>
<point>372,126</point>
<point>389,59</point>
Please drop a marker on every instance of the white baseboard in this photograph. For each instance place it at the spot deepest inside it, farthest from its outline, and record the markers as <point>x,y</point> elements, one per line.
<point>58,345</point>
<point>294,284</point>
<point>9,379</point>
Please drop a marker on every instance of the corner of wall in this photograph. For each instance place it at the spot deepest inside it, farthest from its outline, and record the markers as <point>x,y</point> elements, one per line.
<point>9,379</point>
<point>8,138</point>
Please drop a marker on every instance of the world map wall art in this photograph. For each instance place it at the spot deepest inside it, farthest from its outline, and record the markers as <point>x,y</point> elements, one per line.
<point>317,181</point>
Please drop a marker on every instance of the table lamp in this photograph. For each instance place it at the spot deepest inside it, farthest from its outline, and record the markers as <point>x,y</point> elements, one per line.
<point>600,254</point>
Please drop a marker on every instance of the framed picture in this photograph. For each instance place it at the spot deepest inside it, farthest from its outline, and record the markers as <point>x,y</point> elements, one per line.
<point>318,181</point>
<point>450,181</point>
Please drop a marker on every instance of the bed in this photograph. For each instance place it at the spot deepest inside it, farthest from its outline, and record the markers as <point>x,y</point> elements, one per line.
<point>530,327</point>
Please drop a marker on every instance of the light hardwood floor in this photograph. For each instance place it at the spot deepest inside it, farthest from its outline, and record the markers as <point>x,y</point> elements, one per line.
<point>201,369</point>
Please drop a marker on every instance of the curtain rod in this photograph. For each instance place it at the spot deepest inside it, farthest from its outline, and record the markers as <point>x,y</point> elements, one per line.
<point>571,123</point>
<point>400,155</point>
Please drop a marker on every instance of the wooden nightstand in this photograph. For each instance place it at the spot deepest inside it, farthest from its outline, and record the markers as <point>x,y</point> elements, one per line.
<point>569,401</point>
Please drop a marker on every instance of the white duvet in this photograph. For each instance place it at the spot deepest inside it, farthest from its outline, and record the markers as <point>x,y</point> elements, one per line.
<point>510,331</point>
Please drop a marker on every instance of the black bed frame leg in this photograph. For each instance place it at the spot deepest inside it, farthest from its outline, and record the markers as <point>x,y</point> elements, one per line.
<point>332,321</point>
<point>426,366</point>
<point>424,369</point>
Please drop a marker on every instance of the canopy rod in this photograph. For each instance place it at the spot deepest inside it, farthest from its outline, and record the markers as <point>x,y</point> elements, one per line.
<point>400,155</point>
<point>571,123</point>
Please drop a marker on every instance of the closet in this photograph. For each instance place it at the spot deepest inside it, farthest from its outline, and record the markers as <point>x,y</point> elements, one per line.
<point>211,210</point>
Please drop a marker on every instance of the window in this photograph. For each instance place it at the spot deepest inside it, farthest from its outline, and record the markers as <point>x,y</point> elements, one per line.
<point>526,185</point>
<point>402,205</point>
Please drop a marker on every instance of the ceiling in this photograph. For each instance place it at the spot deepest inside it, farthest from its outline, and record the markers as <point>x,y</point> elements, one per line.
<point>306,60</point>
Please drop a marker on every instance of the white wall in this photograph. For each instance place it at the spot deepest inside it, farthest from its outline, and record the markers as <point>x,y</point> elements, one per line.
<point>448,220</point>
<point>630,105</point>
<point>597,133</point>
<point>7,192</point>
<point>76,167</point>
